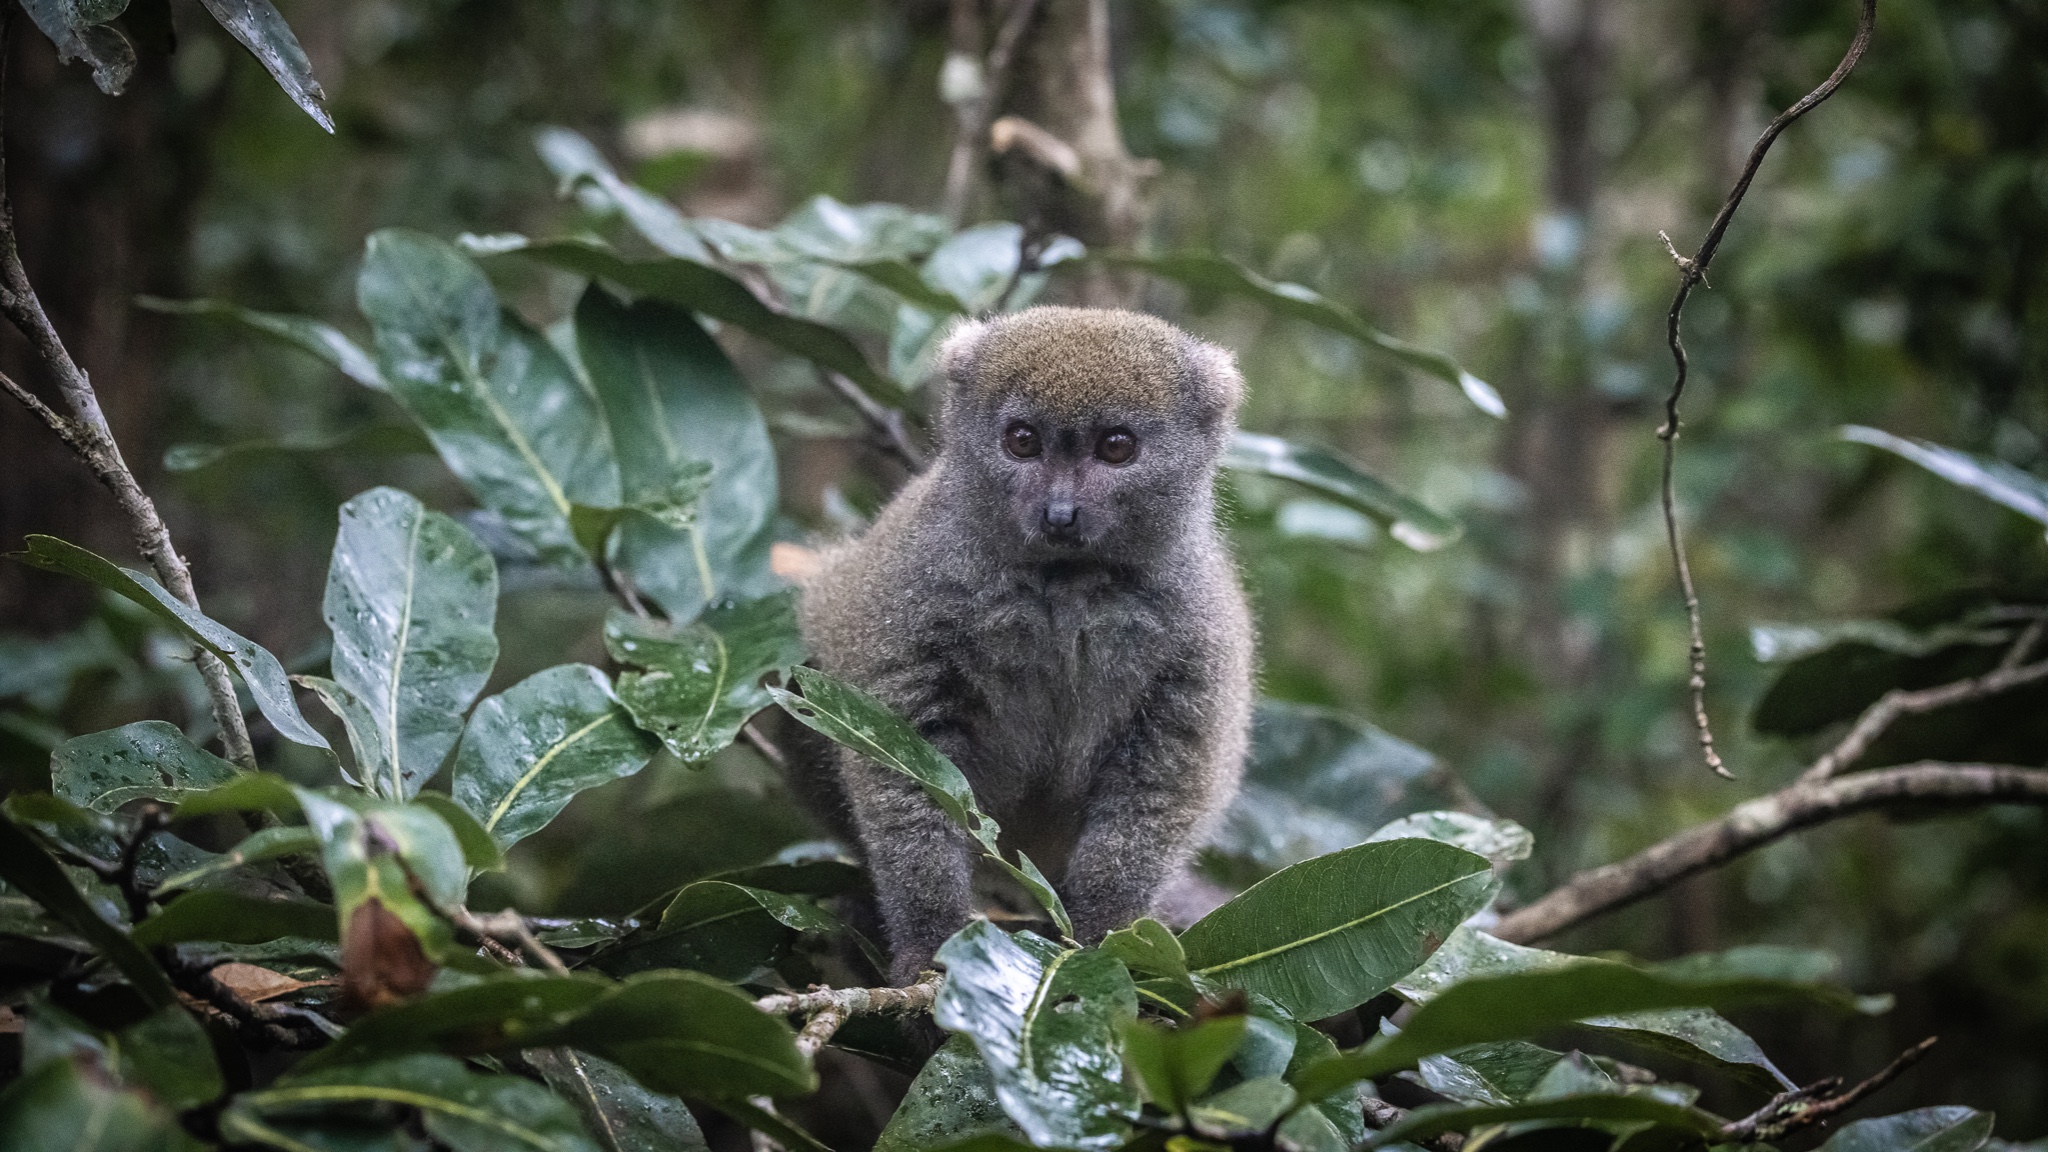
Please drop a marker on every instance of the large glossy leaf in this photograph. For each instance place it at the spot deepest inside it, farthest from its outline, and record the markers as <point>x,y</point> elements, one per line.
<point>1331,933</point>
<point>500,403</point>
<point>1480,1009</point>
<point>411,600</point>
<point>623,1115</point>
<point>147,760</point>
<point>952,1099</point>
<point>78,36</point>
<point>1995,480</point>
<point>165,1052</point>
<point>857,720</point>
<point>1211,275</point>
<point>1698,1035</point>
<point>236,919</point>
<point>1045,1020</point>
<point>1405,518</point>
<point>317,338</point>
<point>1489,1074</point>
<point>1501,841</point>
<point>1949,1129</point>
<point>698,683</point>
<point>497,1014</point>
<point>530,749</point>
<point>1423,1123</point>
<point>688,1034</point>
<point>672,398</point>
<point>70,1105</point>
<point>703,288</point>
<point>730,931</point>
<point>31,871</point>
<point>257,24</point>
<point>267,844</point>
<point>267,683</point>
<point>466,1110</point>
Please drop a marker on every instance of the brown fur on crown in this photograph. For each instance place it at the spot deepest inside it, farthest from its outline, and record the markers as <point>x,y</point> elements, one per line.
<point>1073,361</point>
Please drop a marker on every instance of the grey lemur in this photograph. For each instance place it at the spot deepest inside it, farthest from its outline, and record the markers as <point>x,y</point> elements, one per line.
<point>1052,605</point>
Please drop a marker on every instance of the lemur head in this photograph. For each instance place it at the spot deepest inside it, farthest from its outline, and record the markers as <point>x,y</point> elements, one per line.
<point>1087,430</point>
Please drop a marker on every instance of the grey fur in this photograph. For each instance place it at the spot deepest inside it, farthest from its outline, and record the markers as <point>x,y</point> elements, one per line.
<point>1094,684</point>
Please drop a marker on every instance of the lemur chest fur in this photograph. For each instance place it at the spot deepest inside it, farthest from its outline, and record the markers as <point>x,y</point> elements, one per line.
<point>1062,656</point>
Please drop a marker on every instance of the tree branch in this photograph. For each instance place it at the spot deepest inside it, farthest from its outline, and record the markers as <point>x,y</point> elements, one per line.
<point>978,95</point>
<point>1898,702</point>
<point>89,436</point>
<point>917,997</point>
<point>888,423</point>
<point>1758,822</point>
<point>1788,1112</point>
<point>1693,271</point>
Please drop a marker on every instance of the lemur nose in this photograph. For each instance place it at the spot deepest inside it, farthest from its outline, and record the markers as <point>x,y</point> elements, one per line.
<point>1059,514</point>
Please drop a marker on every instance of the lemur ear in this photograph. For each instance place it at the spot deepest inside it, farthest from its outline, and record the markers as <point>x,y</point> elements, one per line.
<point>1217,380</point>
<point>957,351</point>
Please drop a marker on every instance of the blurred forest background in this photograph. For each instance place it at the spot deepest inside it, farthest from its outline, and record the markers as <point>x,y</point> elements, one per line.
<point>1487,178</point>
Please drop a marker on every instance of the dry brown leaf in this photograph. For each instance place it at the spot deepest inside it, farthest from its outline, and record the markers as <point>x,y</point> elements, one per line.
<point>254,983</point>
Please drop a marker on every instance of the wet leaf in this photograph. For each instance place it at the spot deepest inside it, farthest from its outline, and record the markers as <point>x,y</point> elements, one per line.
<point>389,865</point>
<point>234,918</point>
<point>1500,841</point>
<point>857,720</point>
<point>624,1116</point>
<point>257,24</point>
<point>730,931</point>
<point>165,1053</point>
<point>79,37</point>
<point>479,850</point>
<point>530,749</point>
<point>1405,518</point>
<point>260,670</point>
<point>31,871</point>
<point>1045,1020</point>
<point>411,600</point>
<point>576,163</point>
<point>319,339</point>
<point>1331,933</point>
<point>1995,480</point>
<point>699,682</point>
<point>466,1110</point>
<point>1147,947</point>
<point>686,1033</point>
<point>1212,275</point>
<point>953,1098</point>
<point>1950,1129</point>
<point>1176,1065</point>
<point>502,406</point>
<point>494,1015</point>
<point>672,400</point>
<point>1490,1074</point>
<point>148,760</point>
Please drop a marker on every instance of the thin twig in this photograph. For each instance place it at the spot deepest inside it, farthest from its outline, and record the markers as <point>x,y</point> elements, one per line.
<point>1898,702</point>
<point>888,423</point>
<point>1758,822</point>
<point>507,926</point>
<point>92,440</point>
<point>973,115</point>
<point>263,1025</point>
<point>1692,271</point>
<point>763,745</point>
<point>1788,1112</point>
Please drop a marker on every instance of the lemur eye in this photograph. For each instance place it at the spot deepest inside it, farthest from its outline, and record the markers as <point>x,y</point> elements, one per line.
<point>1117,446</point>
<point>1021,440</point>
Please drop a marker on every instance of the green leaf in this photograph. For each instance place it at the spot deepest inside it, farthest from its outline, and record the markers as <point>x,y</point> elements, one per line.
<point>1331,933</point>
<point>503,407</point>
<point>1045,1020</point>
<point>166,1052</point>
<point>375,850</point>
<point>1995,480</point>
<point>1501,841</point>
<point>260,670</point>
<point>479,850</point>
<point>953,1098</point>
<point>860,722</point>
<point>623,1115</point>
<point>78,37</point>
<point>1175,1066</point>
<point>268,844</point>
<point>702,288</point>
<point>1213,275</point>
<point>468,1111</point>
<point>1405,518</point>
<point>253,792</point>
<point>145,760</point>
<point>727,930</point>
<point>1949,1129</point>
<point>31,871</point>
<point>530,749</point>
<point>686,1033</point>
<point>1552,993</point>
<point>72,1107</point>
<point>234,918</point>
<point>1489,1074</point>
<point>1148,947</point>
<point>257,24</point>
<point>411,600</point>
<point>1436,1119</point>
<point>1245,1108</point>
<point>358,441</point>
<point>673,399</point>
<point>322,341</point>
<point>701,681</point>
<point>576,164</point>
<point>496,1014</point>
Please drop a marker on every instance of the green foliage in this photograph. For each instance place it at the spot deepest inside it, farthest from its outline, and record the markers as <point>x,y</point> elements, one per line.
<point>697,683</point>
<point>530,749</point>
